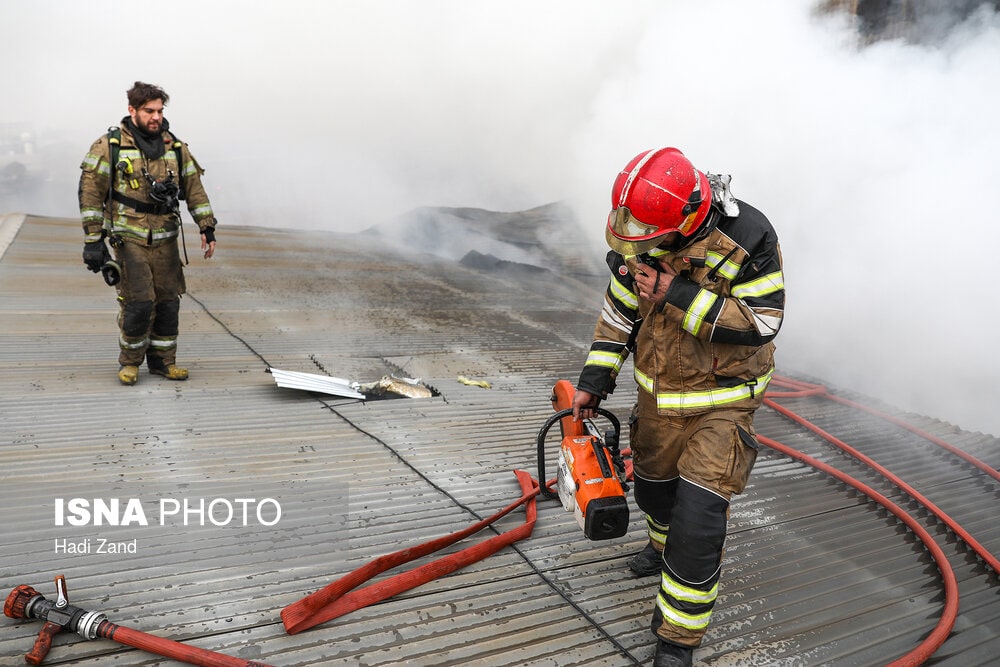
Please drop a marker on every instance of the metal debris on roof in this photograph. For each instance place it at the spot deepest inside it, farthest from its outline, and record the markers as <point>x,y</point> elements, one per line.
<point>390,384</point>
<point>314,382</point>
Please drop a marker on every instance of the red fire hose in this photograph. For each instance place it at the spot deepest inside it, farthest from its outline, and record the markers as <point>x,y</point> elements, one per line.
<point>25,602</point>
<point>339,598</point>
<point>949,613</point>
<point>806,389</point>
<point>171,649</point>
<point>812,390</point>
<point>933,641</point>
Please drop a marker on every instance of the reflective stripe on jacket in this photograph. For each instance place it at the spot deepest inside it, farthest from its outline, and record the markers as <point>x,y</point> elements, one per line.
<point>709,343</point>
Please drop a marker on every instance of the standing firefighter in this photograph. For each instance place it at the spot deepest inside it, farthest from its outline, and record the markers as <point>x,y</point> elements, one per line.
<point>697,295</point>
<point>133,179</point>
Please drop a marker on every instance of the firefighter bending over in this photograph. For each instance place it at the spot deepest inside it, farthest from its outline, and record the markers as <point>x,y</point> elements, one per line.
<point>132,182</point>
<point>697,295</point>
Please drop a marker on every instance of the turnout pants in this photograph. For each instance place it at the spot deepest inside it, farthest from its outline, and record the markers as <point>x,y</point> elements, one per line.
<point>149,298</point>
<point>686,471</point>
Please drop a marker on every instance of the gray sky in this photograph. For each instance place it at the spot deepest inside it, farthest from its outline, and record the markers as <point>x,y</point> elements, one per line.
<point>877,166</point>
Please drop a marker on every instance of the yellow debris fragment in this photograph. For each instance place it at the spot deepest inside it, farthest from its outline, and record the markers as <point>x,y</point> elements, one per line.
<point>474,383</point>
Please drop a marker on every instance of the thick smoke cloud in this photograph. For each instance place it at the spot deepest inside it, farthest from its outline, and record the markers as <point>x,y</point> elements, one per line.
<point>329,114</point>
<point>876,164</point>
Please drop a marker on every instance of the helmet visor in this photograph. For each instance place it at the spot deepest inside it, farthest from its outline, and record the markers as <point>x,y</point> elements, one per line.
<point>627,226</point>
<point>627,235</point>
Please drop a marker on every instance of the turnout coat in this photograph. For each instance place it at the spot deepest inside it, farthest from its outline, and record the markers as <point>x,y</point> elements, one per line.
<point>708,344</point>
<point>133,215</point>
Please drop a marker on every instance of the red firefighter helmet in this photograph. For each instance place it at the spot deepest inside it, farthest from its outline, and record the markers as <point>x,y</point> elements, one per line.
<point>658,192</point>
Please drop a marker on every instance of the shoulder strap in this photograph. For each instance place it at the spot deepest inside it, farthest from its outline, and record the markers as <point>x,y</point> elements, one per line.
<point>114,145</point>
<point>176,148</point>
<point>115,142</point>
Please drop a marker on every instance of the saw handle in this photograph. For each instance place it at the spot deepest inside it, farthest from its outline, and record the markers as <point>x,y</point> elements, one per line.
<point>543,487</point>
<point>562,397</point>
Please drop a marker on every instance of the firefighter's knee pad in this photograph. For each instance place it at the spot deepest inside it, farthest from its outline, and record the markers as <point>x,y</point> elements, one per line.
<point>697,533</point>
<point>167,318</point>
<point>656,497</point>
<point>135,317</point>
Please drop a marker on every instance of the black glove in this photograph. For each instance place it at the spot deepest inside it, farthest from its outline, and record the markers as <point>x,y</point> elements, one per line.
<point>209,233</point>
<point>95,253</point>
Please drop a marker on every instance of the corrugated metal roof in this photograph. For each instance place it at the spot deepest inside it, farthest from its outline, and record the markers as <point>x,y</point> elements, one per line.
<point>814,573</point>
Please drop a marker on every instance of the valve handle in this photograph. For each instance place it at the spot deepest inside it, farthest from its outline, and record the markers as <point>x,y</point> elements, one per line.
<point>62,594</point>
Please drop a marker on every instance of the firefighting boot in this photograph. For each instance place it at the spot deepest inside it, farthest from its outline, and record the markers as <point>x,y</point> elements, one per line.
<point>647,562</point>
<point>169,371</point>
<point>672,655</point>
<point>128,374</point>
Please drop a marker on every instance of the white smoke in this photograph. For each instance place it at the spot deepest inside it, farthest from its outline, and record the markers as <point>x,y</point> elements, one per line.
<point>874,164</point>
<point>328,113</point>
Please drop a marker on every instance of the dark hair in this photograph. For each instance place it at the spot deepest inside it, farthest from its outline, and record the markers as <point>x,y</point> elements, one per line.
<point>140,93</point>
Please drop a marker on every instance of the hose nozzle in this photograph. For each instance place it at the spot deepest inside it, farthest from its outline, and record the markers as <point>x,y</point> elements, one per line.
<point>20,601</point>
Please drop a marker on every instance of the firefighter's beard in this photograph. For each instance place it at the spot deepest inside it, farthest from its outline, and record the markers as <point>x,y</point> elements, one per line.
<point>150,127</point>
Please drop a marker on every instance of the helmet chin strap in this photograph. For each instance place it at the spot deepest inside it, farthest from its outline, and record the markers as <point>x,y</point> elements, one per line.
<point>711,220</point>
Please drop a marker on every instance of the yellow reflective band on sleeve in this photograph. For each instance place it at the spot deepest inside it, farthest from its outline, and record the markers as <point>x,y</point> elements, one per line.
<point>188,169</point>
<point>704,399</point>
<point>623,294</point>
<point>91,160</point>
<point>203,211</point>
<point>696,312</point>
<point>676,617</point>
<point>96,163</point>
<point>605,360</point>
<point>92,215</point>
<point>727,270</point>
<point>769,284</point>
